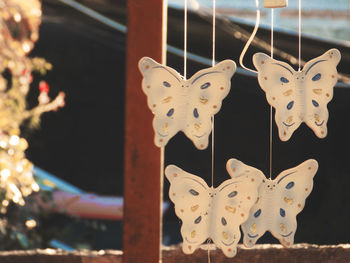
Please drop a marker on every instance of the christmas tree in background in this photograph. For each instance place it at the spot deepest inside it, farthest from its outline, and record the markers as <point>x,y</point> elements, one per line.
<point>19,27</point>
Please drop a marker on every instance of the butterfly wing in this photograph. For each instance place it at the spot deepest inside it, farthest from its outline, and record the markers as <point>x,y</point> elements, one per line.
<point>278,81</point>
<point>233,199</point>
<point>255,226</point>
<point>190,195</point>
<point>293,186</point>
<point>161,85</point>
<point>320,77</point>
<point>208,87</point>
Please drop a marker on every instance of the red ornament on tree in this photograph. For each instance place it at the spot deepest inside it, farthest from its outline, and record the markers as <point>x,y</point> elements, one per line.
<point>44,87</point>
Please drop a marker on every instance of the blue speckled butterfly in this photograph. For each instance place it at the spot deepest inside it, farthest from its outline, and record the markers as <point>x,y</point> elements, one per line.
<point>279,201</point>
<point>214,213</point>
<point>299,96</point>
<point>184,105</point>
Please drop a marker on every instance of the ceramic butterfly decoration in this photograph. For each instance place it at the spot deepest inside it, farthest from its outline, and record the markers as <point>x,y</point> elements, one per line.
<point>279,201</point>
<point>299,96</point>
<point>211,213</point>
<point>184,105</point>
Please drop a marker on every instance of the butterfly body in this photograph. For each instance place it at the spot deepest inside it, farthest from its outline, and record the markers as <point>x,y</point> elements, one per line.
<point>211,213</point>
<point>279,202</point>
<point>184,105</point>
<point>299,96</point>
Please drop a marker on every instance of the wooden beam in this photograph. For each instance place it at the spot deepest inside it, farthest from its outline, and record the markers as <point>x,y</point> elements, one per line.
<point>142,183</point>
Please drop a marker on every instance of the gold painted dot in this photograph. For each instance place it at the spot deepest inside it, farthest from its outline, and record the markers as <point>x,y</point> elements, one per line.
<point>160,140</point>
<point>265,78</point>
<point>250,241</point>
<point>288,244</point>
<point>289,119</point>
<point>284,133</point>
<point>222,88</point>
<point>194,208</point>
<point>147,66</point>
<point>253,228</point>
<point>230,209</point>
<point>309,168</point>
<point>283,227</point>
<point>233,169</point>
<point>289,201</point>
<point>189,247</point>
<point>248,197</point>
<point>333,76</point>
<point>225,235</point>
<point>262,62</point>
<point>193,234</point>
<point>299,205</point>
<point>306,189</point>
<point>327,94</point>
<point>228,67</point>
<point>154,105</point>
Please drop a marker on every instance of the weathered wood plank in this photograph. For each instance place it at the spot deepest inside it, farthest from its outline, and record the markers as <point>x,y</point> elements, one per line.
<point>259,254</point>
<point>142,184</point>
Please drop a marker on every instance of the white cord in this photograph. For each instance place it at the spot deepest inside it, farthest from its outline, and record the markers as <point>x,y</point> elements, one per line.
<point>214,31</point>
<point>213,118</point>
<point>95,15</point>
<point>257,22</point>
<point>271,109</point>
<point>299,33</point>
<point>185,39</point>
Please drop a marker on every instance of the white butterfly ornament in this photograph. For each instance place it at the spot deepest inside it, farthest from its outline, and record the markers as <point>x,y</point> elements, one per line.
<point>184,105</point>
<point>299,96</point>
<point>214,213</point>
<point>279,201</point>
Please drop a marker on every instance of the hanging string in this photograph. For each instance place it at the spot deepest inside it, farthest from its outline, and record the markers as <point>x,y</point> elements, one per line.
<point>214,32</point>
<point>257,22</point>
<point>208,244</point>
<point>271,109</point>
<point>162,149</point>
<point>213,118</point>
<point>299,34</point>
<point>185,39</point>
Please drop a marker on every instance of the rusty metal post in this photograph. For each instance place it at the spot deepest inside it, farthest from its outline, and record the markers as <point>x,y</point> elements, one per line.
<point>142,181</point>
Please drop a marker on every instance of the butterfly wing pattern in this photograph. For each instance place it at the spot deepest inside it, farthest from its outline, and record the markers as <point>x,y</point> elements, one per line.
<point>184,105</point>
<point>299,96</point>
<point>279,202</point>
<point>211,213</point>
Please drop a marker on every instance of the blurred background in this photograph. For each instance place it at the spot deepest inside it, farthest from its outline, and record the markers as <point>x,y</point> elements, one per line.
<point>82,144</point>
